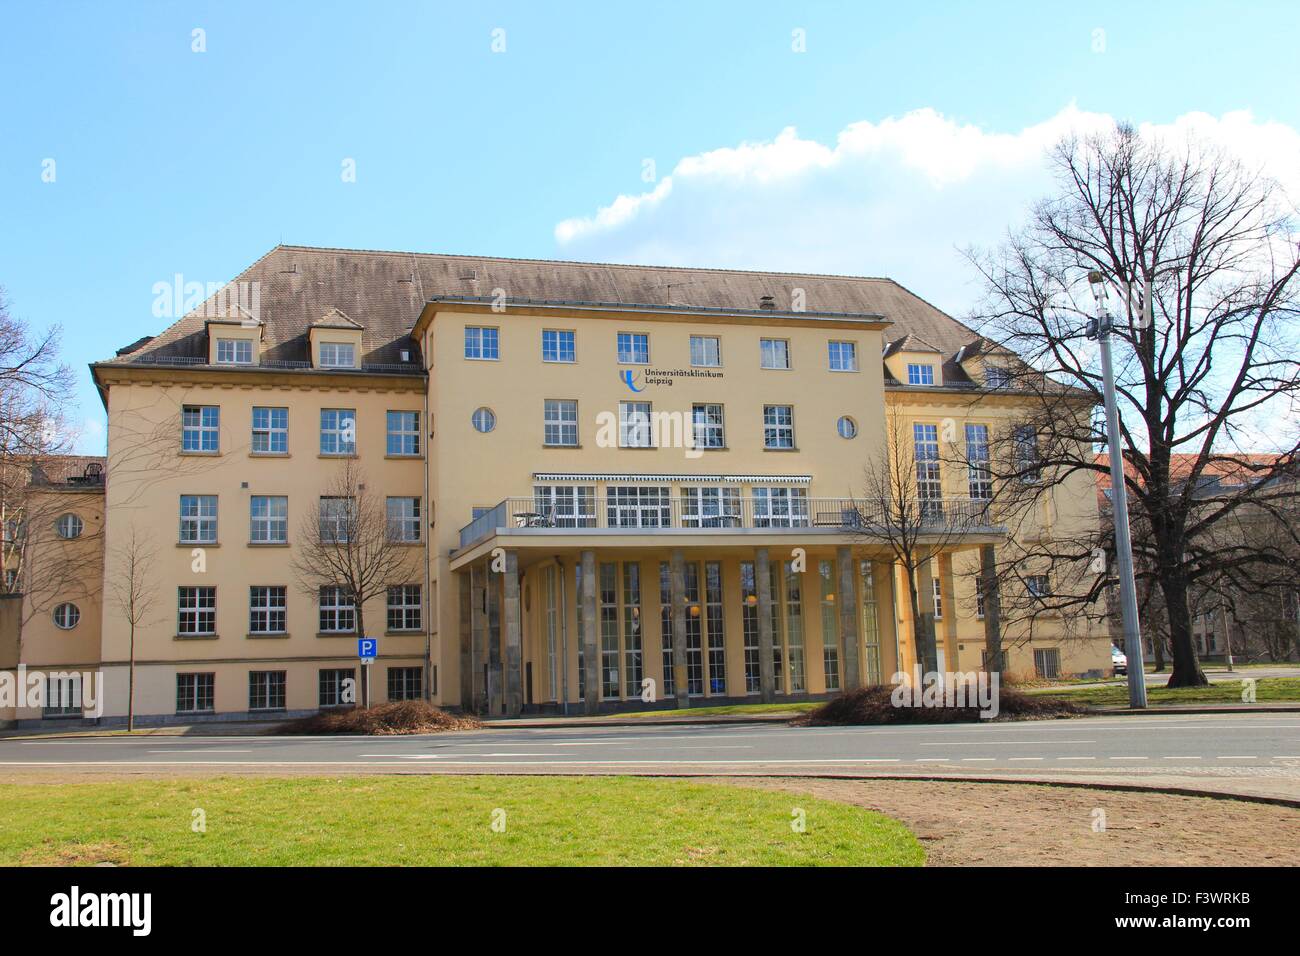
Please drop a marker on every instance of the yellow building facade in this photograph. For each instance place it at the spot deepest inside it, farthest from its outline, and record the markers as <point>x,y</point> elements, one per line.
<point>608,487</point>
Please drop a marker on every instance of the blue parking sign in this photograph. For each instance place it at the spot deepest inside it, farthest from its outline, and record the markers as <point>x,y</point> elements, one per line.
<point>367,648</point>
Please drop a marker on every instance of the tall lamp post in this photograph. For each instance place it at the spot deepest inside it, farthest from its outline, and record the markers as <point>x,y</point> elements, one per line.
<point>1099,329</point>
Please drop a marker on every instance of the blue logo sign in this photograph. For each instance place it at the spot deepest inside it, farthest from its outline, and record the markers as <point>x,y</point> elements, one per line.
<point>367,648</point>
<point>629,379</point>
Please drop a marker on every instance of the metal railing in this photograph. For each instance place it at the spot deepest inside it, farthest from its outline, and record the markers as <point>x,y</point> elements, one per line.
<point>650,511</point>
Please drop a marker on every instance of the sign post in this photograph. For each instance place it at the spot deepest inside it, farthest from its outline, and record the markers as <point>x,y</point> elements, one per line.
<point>367,651</point>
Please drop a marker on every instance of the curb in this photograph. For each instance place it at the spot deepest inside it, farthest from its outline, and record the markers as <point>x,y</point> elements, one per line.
<point>579,722</point>
<point>1195,709</point>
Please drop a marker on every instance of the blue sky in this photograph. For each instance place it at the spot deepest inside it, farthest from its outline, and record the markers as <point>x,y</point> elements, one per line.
<point>170,161</point>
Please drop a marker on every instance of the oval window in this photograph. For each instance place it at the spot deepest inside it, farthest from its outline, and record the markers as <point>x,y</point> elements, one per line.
<point>484,420</point>
<point>847,427</point>
<point>66,616</point>
<point>69,526</point>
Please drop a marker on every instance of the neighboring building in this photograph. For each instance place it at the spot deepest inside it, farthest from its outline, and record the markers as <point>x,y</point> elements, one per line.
<point>511,415</point>
<point>1252,624</point>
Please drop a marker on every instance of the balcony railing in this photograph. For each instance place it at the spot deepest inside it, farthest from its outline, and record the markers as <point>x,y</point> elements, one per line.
<point>650,512</point>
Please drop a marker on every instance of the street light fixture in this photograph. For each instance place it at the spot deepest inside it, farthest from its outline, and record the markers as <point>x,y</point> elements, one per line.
<point>1099,328</point>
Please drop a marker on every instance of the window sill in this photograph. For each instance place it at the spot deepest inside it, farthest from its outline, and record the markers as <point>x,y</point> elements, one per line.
<point>193,713</point>
<point>269,454</point>
<point>403,457</point>
<point>352,634</point>
<point>407,544</point>
<point>544,445</point>
<point>268,636</point>
<point>200,454</point>
<point>781,449</point>
<point>339,455</point>
<point>268,544</point>
<point>195,637</point>
<point>404,633</point>
<point>198,544</point>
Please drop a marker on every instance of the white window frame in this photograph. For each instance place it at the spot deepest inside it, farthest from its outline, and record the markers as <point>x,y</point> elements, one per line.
<point>775,428</point>
<point>406,434</point>
<point>201,431</point>
<point>769,353</point>
<point>268,519</point>
<point>336,606</point>
<point>708,425</point>
<point>273,435</point>
<point>842,355</point>
<point>920,373</point>
<point>483,416</point>
<point>338,355</point>
<point>700,357</point>
<point>780,506</point>
<point>402,513</point>
<point>330,684</point>
<point>195,607</point>
<point>929,478</point>
<point>268,603</point>
<point>561,347</point>
<point>638,506</point>
<point>198,519</point>
<point>714,506</point>
<point>233,352</point>
<point>336,515</point>
<point>636,428</point>
<point>267,688</point>
<point>979,477</point>
<point>936,589</point>
<point>482,343</point>
<point>70,617</point>
<point>559,423</point>
<point>69,526</point>
<point>336,425</point>
<point>202,687</point>
<point>566,506</point>
<point>996,376</point>
<point>408,607</point>
<point>627,346</point>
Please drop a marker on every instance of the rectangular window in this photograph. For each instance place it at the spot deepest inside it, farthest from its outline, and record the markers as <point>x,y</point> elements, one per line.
<point>560,423</point>
<point>710,507</point>
<point>634,425</point>
<point>920,374</point>
<point>403,433</point>
<point>194,693</point>
<point>979,597</point>
<point>1047,662</point>
<point>336,519</point>
<point>200,426</point>
<point>404,607</point>
<point>566,506</point>
<point>929,488</point>
<point>559,345</point>
<point>843,356</point>
<point>713,620</point>
<point>793,629</point>
<point>632,669</point>
<point>269,515</point>
<point>607,608</point>
<point>749,623</point>
<point>1025,441</point>
<point>666,629</point>
<point>266,690</point>
<point>338,355</point>
<point>1038,585</point>
<point>634,347</point>
<point>482,343</point>
<point>196,610</point>
<point>270,430</point>
<point>780,507</point>
<point>979,479</point>
<point>708,425</point>
<point>338,431</point>
<point>778,426</point>
<point>62,696</point>
<point>338,686</point>
<point>995,376</point>
<point>338,612</point>
<point>774,353</point>
<point>936,588</point>
<point>706,351</point>
<point>266,609</point>
<point>694,633</point>
<point>198,519</point>
<point>234,352</point>
<point>637,506</point>
<point>830,625</point>
<point>403,519</point>
<point>405,683</point>
<point>870,624</point>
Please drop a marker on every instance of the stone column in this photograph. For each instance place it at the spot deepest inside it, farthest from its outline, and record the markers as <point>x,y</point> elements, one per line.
<point>590,630</point>
<point>514,695</point>
<point>766,639</point>
<point>848,605</point>
<point>478,637</point>
<point>466,634</point>
<point>677,596</point>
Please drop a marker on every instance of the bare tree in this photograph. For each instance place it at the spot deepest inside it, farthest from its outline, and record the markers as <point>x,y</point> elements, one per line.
<point>1200,254</point>
<point>351,545</point>
<point>902,506</point>
<point>133,592</point>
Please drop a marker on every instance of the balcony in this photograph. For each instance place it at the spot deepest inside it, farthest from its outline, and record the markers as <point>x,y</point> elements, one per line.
<point>651,512</point>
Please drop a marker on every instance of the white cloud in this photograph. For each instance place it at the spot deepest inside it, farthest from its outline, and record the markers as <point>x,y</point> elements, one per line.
<point>896,198</point>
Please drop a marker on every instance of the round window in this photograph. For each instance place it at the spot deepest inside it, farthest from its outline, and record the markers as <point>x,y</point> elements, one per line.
<point>484,420</point>
<point>847,427</point>
<point>66,616</point>
<point>69,526</point>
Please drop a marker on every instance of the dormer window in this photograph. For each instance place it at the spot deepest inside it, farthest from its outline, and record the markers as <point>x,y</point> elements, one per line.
<point>995,376</point>
<point>234,352</point>
<point>918,374</point>
<point>338,355</point>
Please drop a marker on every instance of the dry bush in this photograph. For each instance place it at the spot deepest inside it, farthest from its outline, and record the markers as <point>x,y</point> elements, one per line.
<point>873,705</point>
<point>399,717</point>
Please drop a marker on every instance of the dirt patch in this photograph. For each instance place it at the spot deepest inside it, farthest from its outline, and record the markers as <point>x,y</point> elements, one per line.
<point>875,705</point>
<point>402,717</point>
<point>984,824</point>
<point>50,853</point>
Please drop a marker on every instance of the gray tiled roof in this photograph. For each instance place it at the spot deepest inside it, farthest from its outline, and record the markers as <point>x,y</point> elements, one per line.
<point>385,292</point>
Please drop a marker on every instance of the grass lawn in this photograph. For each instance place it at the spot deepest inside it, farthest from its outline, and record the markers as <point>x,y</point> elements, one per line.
<point>723,709</point>
<point>1227,692</point>
<point>438,820</point>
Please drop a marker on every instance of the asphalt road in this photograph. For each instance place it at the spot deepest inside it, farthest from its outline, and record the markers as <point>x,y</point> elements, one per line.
<point>1262,748</point>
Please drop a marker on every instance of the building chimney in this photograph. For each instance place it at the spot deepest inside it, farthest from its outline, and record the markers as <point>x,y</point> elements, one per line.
<point>767,303</point>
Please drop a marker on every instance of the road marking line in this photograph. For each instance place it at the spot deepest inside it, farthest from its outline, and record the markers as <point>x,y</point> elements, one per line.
<point>1237,757</point>
<point>1128,758</point>
<point>1181,758</point>
<point>932,760</point>
<point>200,751</point>
<point>1076,758</point>
<point>1013,759</point>
<point>999,743</point>
<point>978,759</point>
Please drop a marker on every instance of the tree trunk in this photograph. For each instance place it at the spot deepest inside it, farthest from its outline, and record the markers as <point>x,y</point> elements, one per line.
<point>1158,647</point>
<point>922,637</point>
<point>365,668</point>
<point>130,687</point>
<point>1187,669</point>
